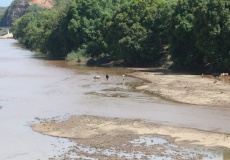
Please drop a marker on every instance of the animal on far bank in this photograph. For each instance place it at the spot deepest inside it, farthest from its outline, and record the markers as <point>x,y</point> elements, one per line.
<point>220,74</point>
<point>216,74</point>
<point>97,77</point>
<point>224,74</point>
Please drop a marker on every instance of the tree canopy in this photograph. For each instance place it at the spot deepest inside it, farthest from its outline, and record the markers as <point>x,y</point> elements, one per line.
<point>199,31</point>
<point>136,31</point>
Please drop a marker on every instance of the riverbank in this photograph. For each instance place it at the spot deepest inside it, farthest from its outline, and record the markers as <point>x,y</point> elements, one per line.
<point>7,36</point>
<point>185,88</point>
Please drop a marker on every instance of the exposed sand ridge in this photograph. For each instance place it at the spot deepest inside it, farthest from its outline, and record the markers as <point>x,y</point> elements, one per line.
<point>186,88</point>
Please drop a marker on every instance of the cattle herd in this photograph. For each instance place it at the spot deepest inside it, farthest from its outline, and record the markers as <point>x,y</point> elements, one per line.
<point>220,74</point>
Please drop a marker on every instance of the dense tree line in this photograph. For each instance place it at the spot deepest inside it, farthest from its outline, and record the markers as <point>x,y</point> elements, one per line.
<point>199,35</point>
<point>194,32</point>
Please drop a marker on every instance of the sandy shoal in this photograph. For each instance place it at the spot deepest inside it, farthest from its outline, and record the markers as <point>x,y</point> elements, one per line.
<point>109,132</point>
<point>185,88</point>
<point>10,35</point>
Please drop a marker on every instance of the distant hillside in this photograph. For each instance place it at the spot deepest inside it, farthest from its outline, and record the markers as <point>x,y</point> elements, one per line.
<point>19,7</point>
<point>42,3</point>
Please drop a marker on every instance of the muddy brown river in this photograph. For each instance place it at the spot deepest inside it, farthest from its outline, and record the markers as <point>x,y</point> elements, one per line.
<point>33,89</point>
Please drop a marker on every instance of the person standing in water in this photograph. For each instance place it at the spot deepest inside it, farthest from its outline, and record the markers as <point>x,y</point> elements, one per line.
<point>123,77</point>
<point>107,77</point>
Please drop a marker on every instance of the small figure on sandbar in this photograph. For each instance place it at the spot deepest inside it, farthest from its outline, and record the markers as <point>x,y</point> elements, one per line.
<point>123,77</point>
<point>107,77</point>
<point>97,77</point>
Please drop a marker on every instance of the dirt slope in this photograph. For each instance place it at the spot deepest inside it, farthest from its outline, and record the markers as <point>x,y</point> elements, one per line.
<point>18,8</point>
<point>42,3</point>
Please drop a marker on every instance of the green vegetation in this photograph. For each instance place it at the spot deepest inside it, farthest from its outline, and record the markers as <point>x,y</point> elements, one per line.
<point>139,32</point>
<point>200,30</point>
<point>2,11</point>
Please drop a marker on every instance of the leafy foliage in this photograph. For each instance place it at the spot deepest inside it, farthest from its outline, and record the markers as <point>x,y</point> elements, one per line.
<point>136,31</point>
<point>112,28</point>
<point>119,29</point>
<point>200,29</point>
<point>212,28</point>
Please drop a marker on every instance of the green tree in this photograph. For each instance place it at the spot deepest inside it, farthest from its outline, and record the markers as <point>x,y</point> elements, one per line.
<point>133,34</point>
<point>58,43</point>
<point>199,35</point>
<point>212,30</point>
<point>19,27</point>
<point>182,38</point>
<point>85,26</point>
<point>44,30</point>
<point>40,29</point>
<point>134,31</point>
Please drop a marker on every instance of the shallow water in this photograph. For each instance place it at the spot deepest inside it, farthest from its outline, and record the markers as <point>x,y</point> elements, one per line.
<point>32,88</point>
<point>149,147</point>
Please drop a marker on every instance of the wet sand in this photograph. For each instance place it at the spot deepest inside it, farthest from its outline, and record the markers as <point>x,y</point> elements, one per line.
<point>99,131</point>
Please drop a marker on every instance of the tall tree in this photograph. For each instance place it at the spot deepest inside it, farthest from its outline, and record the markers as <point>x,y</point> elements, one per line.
<point>183,50</point>
<point>199,35</point>
<point>132,34</point>
<point>212,31</point>
<point>85,25</point>
<point>20,25</point>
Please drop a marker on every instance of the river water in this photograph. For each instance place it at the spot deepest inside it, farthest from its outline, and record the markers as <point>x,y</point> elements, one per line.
<point>32,89</point>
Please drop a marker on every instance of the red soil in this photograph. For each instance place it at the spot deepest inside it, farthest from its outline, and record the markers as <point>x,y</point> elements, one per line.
<point>42,3</point>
